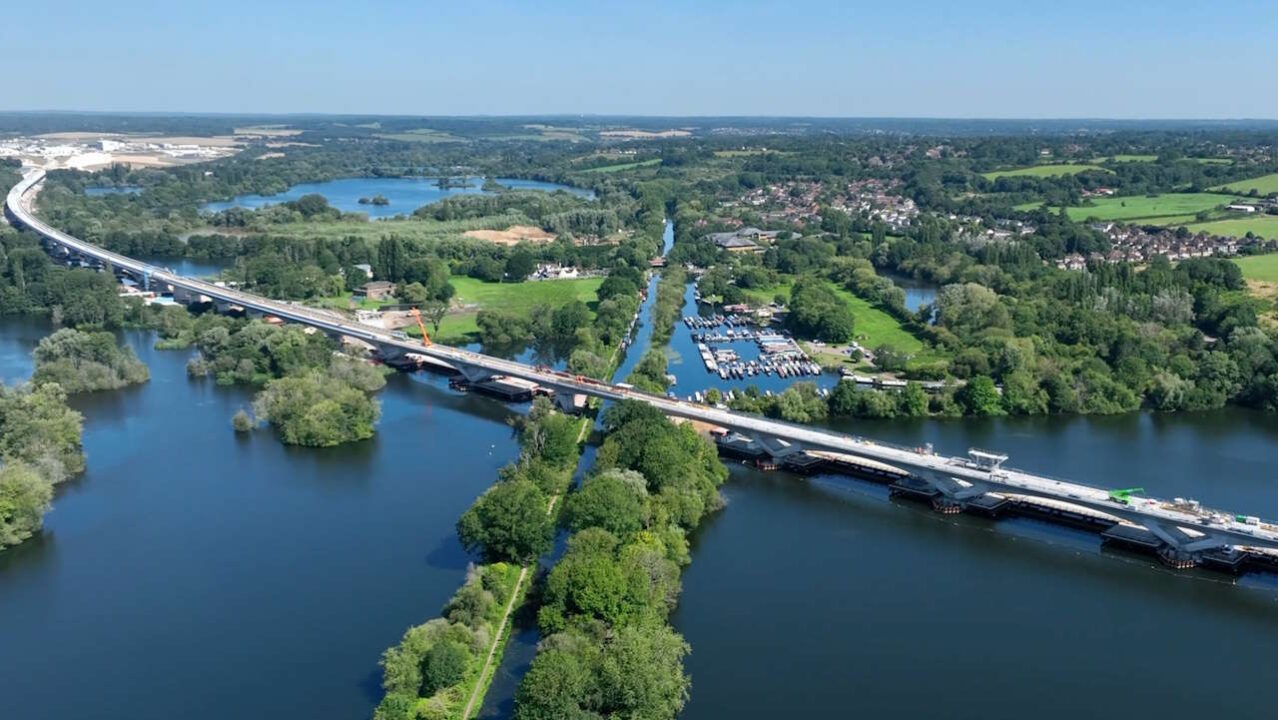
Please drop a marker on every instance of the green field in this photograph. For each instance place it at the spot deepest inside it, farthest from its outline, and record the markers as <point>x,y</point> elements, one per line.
<point>1152,158</point>
<point>623,166</point>
<point>1167,206</point>
<point>518,298</point>
<point>873,327</point>
<point>423,135</point>
<point>1265,226</point>
<point>1129,158</point>
<point>1259,267</point>
<point>1042,171</point>
<point>1263,185</point>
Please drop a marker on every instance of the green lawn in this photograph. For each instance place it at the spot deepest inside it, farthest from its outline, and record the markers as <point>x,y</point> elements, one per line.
<point>1259,267</point>
<point>1263,185</point>
<point>518,298</point>
<point>1266,226</point>
<point>873,327</point>
<point>1043,171</point>
<point>623,166</point>
<point>1140,207</point>
<point>344,302</point>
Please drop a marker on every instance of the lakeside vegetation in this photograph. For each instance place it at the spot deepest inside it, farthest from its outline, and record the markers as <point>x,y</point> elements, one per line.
<point>607,650</point>
<point>40,447</point>
<point>81,361</point>
<point>440,668</point>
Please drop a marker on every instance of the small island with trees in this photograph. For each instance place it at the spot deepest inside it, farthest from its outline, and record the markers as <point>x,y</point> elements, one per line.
<point>378,199</point>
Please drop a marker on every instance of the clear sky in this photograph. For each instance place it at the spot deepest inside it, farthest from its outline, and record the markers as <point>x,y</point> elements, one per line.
<point>939,58</point>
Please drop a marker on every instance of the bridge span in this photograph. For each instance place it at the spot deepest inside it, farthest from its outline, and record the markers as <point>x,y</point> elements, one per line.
<point>1185,531</point>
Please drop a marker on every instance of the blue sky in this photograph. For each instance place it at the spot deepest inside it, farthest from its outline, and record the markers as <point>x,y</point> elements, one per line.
<point>978,58</point>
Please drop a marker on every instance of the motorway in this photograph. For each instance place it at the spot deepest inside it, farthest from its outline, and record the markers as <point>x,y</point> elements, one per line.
<point>1178,525</point>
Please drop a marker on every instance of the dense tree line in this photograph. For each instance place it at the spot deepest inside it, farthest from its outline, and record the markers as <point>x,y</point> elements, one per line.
<point>608,651</point>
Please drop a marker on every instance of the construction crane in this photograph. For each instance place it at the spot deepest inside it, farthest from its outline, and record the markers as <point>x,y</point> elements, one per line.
<point>1123,496</point>
<point>421,326</point>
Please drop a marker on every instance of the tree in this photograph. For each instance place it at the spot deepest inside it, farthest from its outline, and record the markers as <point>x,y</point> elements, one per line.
<point>435,312</point>
<point>444,666</point>
<point>520,265</point>
<point>508,523</point>
<point>980,397</point>
<point>615,500</point>
<point>242,421</point>
<point>412,293</point>
<point>25,497</point>
<point>818,312</point>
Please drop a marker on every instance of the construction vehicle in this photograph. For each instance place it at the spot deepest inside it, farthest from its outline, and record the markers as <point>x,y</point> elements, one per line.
<point>421,326</point>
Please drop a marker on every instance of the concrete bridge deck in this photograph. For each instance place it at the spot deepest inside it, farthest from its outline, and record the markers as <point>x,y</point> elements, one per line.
<point>1184,529</point>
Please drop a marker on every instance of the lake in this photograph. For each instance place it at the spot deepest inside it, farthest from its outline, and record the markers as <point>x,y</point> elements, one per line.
<point>821,597</point>
<point>195,573</point>
<point>405,194</point>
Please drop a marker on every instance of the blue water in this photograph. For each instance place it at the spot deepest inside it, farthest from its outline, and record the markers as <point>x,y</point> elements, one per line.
<point>917,292</point>
<point>405,194</point>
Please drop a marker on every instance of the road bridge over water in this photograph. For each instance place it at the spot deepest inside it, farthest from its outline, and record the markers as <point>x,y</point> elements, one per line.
<point>1185,531</point>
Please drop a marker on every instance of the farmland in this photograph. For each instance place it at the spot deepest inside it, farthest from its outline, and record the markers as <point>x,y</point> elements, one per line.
<point>1265,226</point>
<point>1263,185</point>
<point>1043,171</point>
<point>1166,209</point>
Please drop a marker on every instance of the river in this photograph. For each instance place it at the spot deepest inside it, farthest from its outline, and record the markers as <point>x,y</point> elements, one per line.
<point>405,194</point>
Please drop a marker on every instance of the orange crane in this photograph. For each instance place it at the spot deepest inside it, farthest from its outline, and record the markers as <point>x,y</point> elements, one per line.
<point>421,326</point>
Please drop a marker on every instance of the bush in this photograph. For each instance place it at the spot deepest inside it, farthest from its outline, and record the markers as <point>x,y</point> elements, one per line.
<point>242,421</point>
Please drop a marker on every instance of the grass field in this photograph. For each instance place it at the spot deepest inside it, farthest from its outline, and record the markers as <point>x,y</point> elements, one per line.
<point>623,166</point>
<point>1043,171</point>
<point>422,136</point>
<point>518,298</point>
<point>1266,226</point>
<point>343,302</point>
<point>1169,205</point>
<point>1264,185</point>
<point>873,327</point>
<point>1129,158</point>
<point>1259,267</point>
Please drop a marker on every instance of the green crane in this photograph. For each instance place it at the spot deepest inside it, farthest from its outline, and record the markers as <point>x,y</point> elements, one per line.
<point>1123,496</point>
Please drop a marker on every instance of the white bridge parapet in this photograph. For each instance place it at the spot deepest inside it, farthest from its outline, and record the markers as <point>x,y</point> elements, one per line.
<point>959,479</point>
